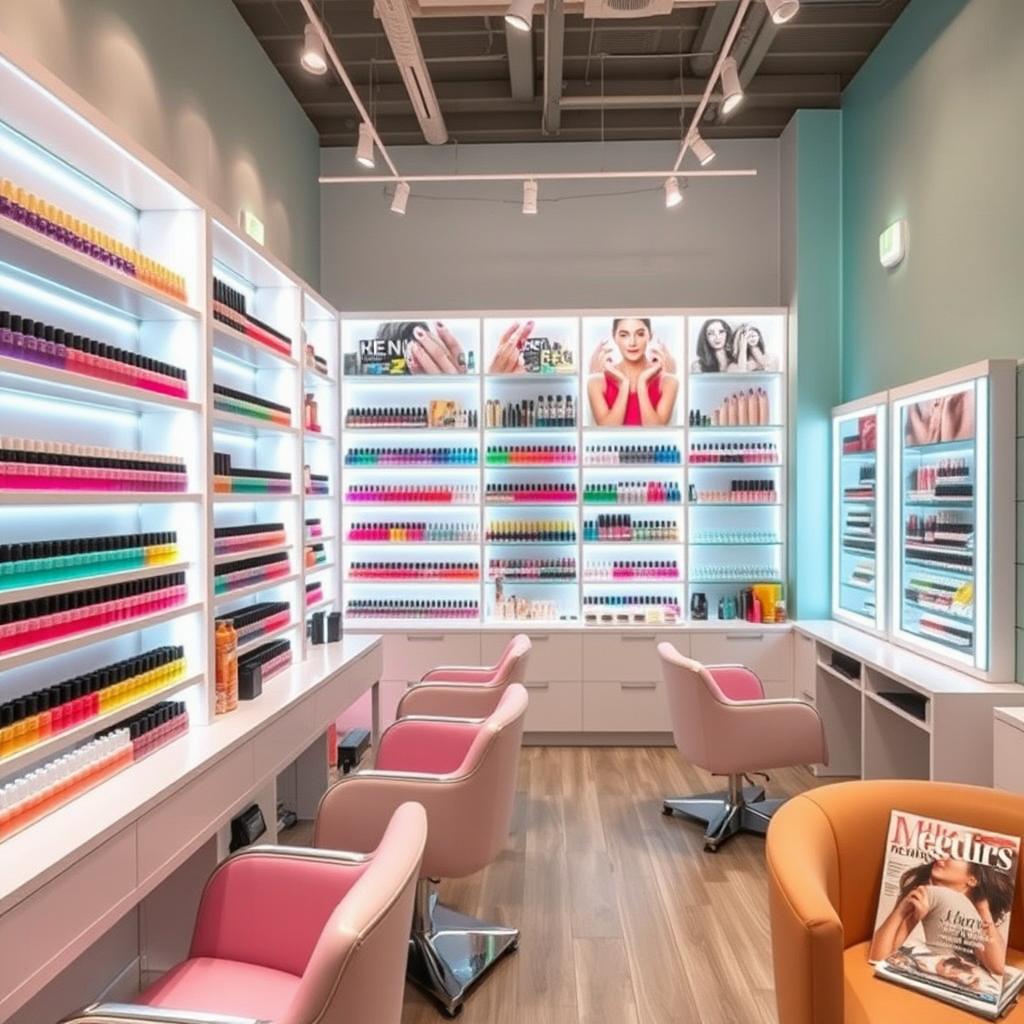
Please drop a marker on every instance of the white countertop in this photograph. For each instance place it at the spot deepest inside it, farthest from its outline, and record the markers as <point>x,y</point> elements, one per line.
<point>1011,716</point>
<point>31,858</point>
<point>528,627</point>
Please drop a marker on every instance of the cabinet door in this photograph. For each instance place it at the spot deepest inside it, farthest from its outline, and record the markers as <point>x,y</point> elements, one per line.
<point>631,706</point>
<point>769,654</point>
<point>805,658</point>
<point>628,657</point>
<point>409,656</point>
<point>554,656</point>
<point>556,705</point>
<point>1008,756</point>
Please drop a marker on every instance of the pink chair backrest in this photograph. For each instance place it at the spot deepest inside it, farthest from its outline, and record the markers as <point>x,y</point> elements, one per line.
<point>356,970</point>
<point>468,831</point>
<point>511,667</point>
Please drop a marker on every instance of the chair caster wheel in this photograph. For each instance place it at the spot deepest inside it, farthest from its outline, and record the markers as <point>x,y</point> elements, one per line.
<point>514,948</point>
<point>452,1014</point>
<point>711,847</point>
<point>666,810</point>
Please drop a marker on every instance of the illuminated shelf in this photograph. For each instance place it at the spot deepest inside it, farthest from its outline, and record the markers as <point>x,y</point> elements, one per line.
<point>734,504</point>
<point>530,430</point>
<point>87,582</point>
<point>965,502</point>
<point>734,465</point>
<point>435,379</point>
<point>940,448</point>
<point>51,648</point>
<point>513,581</point>
<point>34,253</point>
<point>415,543</point>
<point>619,466</point>
<point>86,730</point>
<point>533,504</point>
<point>407,432</point>
<point>735,543</point>
<point>323,602</point>
<point>725,378</point>
<point>533,543</point>
<point>48,498</point>
<point>235,556</point>
<point>50,382</point>
<point>317,435</point>
<point>667,581</point>
<point>749,428</point>
<point>254,588</point>
<point>235,423</point>
<point>312,376</point>
<point>731,581</point>
<point>963,572</point>
<point>348,467</point>
<point>265,638</point>
<point>320,567</point>
<point>534,466</point>
<point>242,349</point>
<point>854,585</point>
<point>959,620</point>
<point>445,505</point>
<point>596,506</point>
<point>245,498</point>
<point>533,378</point>
<point>356,582</point>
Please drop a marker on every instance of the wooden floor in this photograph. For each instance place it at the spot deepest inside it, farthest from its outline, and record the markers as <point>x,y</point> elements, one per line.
<point>624,918</point>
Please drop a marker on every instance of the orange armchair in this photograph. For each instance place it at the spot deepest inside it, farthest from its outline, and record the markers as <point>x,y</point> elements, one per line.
<point>825,851</point>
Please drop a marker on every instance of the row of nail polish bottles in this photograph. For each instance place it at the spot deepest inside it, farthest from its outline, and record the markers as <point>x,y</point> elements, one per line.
<point>623,527</point>
<point>531,455</point>
<point>411,457</point>
<point>449,571</point>
<point>229,307</point>
<point>257,619</point>
<point>741,452</point>
<point>627,569</point>
<point>740,492</point>
<point>35,342</point>
<point>364,608</point>
<point>233,575</point>
<point>242,404</point>
<point>631,455</point>
<point>633,492</point>
<point>506,493</point>
<point>545,531</point>
<point>155,728</point>
<point>438,494</point>
<point>236,539</point>
<point>413,532</point>
<point>532,569</point>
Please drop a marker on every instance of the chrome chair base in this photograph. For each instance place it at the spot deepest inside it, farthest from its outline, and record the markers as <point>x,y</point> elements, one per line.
<point>450,952</point>
<point>726,813</point>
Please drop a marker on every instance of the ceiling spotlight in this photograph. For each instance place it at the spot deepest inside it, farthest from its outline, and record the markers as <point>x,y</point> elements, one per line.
<point>520,14</point>
<point>701,150</point>
<point>313,58</point>
<point>782,10</point>
<point>364,151</point>
<point>401,199</point>
<point>732,91</point>
<point>673,197</point>
<point>530,196</point>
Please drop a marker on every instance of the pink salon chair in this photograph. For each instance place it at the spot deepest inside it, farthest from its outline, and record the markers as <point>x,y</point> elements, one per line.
<point>464,773</point>
<point>294,936</point>
<point>722,723</point>
<point>459,691</point>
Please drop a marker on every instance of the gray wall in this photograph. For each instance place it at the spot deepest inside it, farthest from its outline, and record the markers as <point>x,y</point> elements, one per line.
<point>600,244</point>
<point>189,81</point>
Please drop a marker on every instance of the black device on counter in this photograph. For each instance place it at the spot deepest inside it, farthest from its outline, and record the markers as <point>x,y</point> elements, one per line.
<point>351,748</point>
<point>334,627</point>
<point>250,681</point>
<point>247,827</point>
<point>317,628</point>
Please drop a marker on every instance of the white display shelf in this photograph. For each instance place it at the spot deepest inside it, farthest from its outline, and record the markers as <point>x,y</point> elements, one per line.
<point>410,432</point>
<point>87,729</point>
<point>87,582</point>
<point>49,498</point>
<point>423,467</point>
<point>370,506</point>
<point>734,466</point>
<point>254,588</point>
<point>311,376</point>
<point>748,428</point>
<point>251,645</point>
<point>544,431</point>
<point>235,423</point>
<point>414,543</point>
<point>534,543</point>
<point>320,567</point>
<point>318,435</point>
<point>59,384</point>
<point>242,499</point>
<point>51,648</point>
<point>35,253</point>
<point>634,543</point>
<point>243,349</point>
<point>406,379</point>
<point>533,467</point>
<point>355,581</point>
<point>744,375</point>
<point>236,556</point>
<point>322,603</point>
<point>513,581</point>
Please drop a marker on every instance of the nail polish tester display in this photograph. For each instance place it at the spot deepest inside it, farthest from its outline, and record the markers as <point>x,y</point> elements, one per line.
<point>229,307</point>
<point>245,572</point>
<point>26,623</point>
<point>28,465</point>
<point>54,561</point>
<point>32,341</point>
<point>436,415</point>
<point>22,206</point>
<point>228,479</point>
<point>241,404</point>
<point>256,620</point>
<point>257,667</point>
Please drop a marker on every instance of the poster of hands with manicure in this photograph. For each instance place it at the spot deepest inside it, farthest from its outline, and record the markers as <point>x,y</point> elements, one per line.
<point>404,348</point>
<point>631,366</point>
<point>546,346</point>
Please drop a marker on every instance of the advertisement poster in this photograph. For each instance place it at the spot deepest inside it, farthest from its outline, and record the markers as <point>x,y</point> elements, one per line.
<point>947,417</point>
<point>404,348</point>
<point>734,345</point>
<point>545,346</point>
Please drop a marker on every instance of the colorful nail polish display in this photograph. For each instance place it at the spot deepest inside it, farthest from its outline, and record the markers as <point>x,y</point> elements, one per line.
<point>408,532</point>
<point>229,307</point>
<point>412,457</point>
<point>54,561</point>
<point>542,412</point>
<point>32,341</point>
<point>34,717</point>
<point>314,593</point>
<point>413,494</point>
<point>315,554</point>
<point>631,569</point>
<point>45,619</point>
<point>314,361</point>
<point>619,527</point>
<point>518,531</point>
<point>256,620</point>
<point>631,455</point>
<point>633,492</point>
<point>154,728</point>
<point>437,415</point>
<point>266,661</point>
<point>316,483</point>
<point>395,608</point>
<point>20,205</point>
<point>229,540</point>
<point>735,537</point>
<point>28,465</point>
<point>228,479</point>
<point>314,528</point>
<point>744,408</point>
<point>530,494</point>
<point>238,402</point>
<point>739,492</point>
<point>536,570</point>
<point>743,452</point>
<point>739,573</point>
<point>631,609</point>
<point>382,572</point>
<point>531,455</point>
<point>245,572</point>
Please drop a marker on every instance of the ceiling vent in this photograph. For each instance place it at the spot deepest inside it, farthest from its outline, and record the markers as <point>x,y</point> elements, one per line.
<point>405,44</point>
<point>626,8</point>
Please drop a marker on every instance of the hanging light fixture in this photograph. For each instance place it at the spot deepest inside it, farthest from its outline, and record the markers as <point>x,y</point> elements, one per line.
<point>673,197</point>
<point>701,150</point>
<point>782,10</point>
<point>364,151</point>
<point>529,196</point>
<point>520,14</point>
<point>732,91</point>
<point>401,198</point>
<point>313,57</point>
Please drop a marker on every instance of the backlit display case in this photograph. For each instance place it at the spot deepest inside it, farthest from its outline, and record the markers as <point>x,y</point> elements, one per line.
<point>859,476</point>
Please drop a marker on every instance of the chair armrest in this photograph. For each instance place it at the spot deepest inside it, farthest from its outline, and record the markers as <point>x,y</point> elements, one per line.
<point>128,1013</point>
<point>460,674</point>
<point>737,682</point>
<point>456,700</point>
<point>807,934</point>
<point>433,746</point>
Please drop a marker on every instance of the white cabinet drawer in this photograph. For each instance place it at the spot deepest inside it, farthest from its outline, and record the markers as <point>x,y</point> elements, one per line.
<point>770,655</point>
<point>627,657</point>
<point>1008,758</point>
<point>554,656</point>
<point>409,655</point>
<point>555,706</point>
<point>625,707</point>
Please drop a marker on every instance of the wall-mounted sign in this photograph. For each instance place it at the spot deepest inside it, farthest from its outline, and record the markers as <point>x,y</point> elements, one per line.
<point>892,244</point>
<point>253,226</point>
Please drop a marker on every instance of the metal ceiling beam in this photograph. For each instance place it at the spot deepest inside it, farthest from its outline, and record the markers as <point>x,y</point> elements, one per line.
<point>711,35</point>
<point>554,52</point>
<point>519,46</point>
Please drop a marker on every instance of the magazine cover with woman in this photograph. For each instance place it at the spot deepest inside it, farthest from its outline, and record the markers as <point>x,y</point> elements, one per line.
<point>944,913</point>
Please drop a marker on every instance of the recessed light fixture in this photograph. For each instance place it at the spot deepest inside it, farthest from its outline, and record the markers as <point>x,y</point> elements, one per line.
<point>520,14</point>
<point>673,197</point>
<point>313,58</point>
<point>529,196</point>
<point>701,150</point>
<point>364,151</point>
<point>732,91</point>
<point>782,10</point>
<point>401,199</point>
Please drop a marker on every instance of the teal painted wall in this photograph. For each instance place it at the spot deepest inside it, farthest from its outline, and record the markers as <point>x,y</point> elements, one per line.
<point>811,160</point>
<point>189,81</point>
<point>932,132</point>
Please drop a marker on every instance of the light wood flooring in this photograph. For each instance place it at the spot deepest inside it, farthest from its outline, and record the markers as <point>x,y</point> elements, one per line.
<point>624,918</point>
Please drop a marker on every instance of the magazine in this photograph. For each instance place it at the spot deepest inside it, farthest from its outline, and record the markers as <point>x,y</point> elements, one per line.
<point>943,917</point>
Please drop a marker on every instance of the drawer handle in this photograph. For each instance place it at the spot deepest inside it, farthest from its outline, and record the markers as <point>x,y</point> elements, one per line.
<point>744,636</point>
<point>637,686</point>
<point>537,686</point>
<point>539,639</point>
<point>636,637</point>
<point>425,637</point>
<point>807,697</point>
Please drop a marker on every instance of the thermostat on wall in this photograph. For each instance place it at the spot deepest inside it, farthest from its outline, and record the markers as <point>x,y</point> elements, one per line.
<point>892,244</point>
